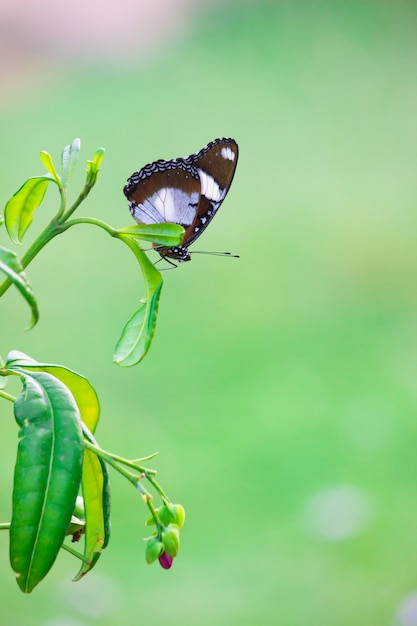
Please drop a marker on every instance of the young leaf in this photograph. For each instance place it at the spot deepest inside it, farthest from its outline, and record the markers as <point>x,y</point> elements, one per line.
<point>50,167</point>
<point>47,475</point>
<point>165,234</point>
<point>11,266</point>
<point>19,210</point>
<point>138,332</point>
<point>69,160</point>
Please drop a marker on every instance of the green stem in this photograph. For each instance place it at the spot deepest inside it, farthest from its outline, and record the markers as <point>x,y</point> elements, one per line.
<point>133,478</point>
<point>84,193</point>
<point>63,203</point>
<point>90,220</point>
<point>157,487</point>
<point>7,396</point>
<point>4,525</point>
<point>109,455</point>
<point>40,242</point>
<point>116,461</point>
<point>154,515</point>
<point>68,548</point>
<point>132,464</point>
<point>55,227</point>
<point>45,237</point>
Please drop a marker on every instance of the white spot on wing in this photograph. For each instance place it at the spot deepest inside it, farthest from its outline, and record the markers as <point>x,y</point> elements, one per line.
<point>209,187</point>
<point>227,153</point>
<point>162,201</point>
<point>168,204</point>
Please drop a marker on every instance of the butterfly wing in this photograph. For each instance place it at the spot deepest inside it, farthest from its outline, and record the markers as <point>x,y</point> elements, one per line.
<point>164,191</point>
<point>216,165</point>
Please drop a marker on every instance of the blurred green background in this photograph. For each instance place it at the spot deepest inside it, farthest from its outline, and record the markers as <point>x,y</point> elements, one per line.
<point>280,388</point>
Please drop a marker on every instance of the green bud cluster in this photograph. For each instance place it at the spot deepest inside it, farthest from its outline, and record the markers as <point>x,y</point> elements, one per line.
<point>166,540</point>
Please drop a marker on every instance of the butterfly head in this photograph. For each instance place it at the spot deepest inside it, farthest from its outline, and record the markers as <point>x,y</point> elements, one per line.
<point>178,253</point>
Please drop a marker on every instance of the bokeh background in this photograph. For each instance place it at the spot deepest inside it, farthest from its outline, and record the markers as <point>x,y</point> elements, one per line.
<point>280,388</point>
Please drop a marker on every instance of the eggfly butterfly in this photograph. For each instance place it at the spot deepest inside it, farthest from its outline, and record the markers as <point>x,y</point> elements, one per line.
<point>185,191</point>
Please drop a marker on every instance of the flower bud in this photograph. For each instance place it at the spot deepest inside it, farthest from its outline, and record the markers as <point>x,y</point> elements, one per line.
<point>179,515</point>
<point>165,561</point>
<point>171,540</point>
<point>165,514</point>
<point>154,549</point>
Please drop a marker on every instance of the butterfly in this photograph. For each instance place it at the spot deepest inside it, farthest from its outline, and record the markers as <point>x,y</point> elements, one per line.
<point>186,191</point>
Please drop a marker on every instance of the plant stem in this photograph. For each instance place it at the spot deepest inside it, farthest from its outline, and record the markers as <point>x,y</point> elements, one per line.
<point>84,193</point>
<point>90,220</point>
<point>4,525</point>
<point>55,227</point>
<point>116,461</point>
<point>45,237</point>
<point>106,456</point>
<point>7,396</point>
<point>66,547</point>
<point>157,487</point>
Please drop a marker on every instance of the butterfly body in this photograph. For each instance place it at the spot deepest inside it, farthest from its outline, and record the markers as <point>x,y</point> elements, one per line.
<point>186,191</point>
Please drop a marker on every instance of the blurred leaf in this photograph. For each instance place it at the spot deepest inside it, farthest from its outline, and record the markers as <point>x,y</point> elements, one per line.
<point>50,167</point>
<point>47,474</point>
<point>19,210</point>
<point>138,332</point>
<point>11,266</point>
<point>165,234</point>
<point>83,392</point>
<point>69,160</point>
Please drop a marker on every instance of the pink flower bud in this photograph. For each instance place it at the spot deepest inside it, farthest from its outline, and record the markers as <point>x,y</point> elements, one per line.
<point>165,560</point>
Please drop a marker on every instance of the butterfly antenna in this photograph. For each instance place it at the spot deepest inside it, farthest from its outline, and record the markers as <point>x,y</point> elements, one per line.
<point>229,254</point>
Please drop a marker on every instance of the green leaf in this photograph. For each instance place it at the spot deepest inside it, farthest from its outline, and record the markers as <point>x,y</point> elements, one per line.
<point>19,211</point>
<point>50,167</point>
<point>95,480</point>
<point>165,234</point>
<point>11,266</point>
<point>137,335</point>
<point>47,475</point>
<point>83,392</point>
<point>69,160</point>
<point>96,492</point>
